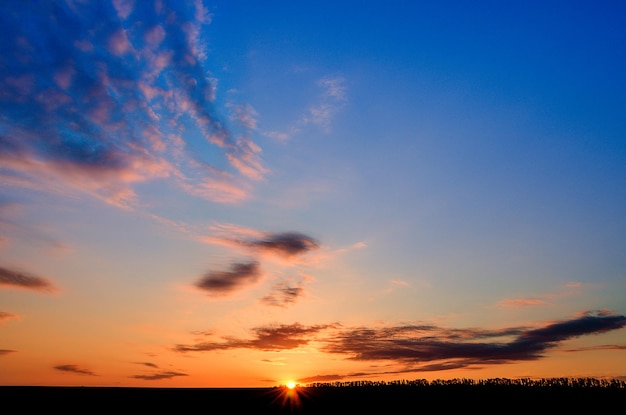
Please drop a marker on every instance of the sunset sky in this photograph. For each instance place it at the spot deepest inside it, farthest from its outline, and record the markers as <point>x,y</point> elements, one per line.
<point>244,193</point>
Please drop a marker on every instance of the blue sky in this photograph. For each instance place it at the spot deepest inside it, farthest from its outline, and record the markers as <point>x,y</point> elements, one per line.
<point>243,193</point>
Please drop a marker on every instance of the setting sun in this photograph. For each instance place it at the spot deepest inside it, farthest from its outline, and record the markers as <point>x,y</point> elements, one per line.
<point>291,384</point>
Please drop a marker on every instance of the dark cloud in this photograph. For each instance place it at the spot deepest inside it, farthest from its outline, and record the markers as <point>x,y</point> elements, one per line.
<point>74,369</point>
<point>270,338</point>
<point>287,243</point>
<point>225,282</point>
<point>462,348</point>
<point>4,352</point>
<point>15,278</point>
<point>421,348</point>
<point>283,294</point>
<point>147,364</point>
<point>159,376</point>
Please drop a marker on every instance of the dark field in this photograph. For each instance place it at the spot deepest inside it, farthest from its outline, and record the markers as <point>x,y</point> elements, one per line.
<point>362,398</point>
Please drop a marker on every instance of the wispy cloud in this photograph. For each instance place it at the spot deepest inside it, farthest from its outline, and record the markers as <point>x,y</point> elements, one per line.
<point>5,352</point>
<point>539,300</point>
<point>149,364</point>
<point>332,98</point>
<point>285,293</point>
<point>220,283</point>
<point>75,369</point>
<point>159,375</point>
<point>4,316</point>
<point>15,278</point>
<point>521,302</point>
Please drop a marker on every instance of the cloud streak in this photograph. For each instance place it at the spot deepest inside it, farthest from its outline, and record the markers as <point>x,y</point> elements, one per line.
<point>4,316</point>
<point>159,375</point>
<point>74,369</point>
<point>13,278</point>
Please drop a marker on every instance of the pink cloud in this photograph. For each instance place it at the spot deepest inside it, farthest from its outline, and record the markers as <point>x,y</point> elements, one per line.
<point>118,43</point>
<point>63,77</point>
<point>83,45</point>
<point>154,36</point>
<point>218,190</point>
<point>123,7</point>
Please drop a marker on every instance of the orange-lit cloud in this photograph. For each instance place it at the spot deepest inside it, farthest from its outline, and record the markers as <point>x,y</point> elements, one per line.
<point>4,316</point>
<point>14,278</point>
<point>421,347</point>
<point>274,337</point>
<point>539,300</point>
<point>4,352</point>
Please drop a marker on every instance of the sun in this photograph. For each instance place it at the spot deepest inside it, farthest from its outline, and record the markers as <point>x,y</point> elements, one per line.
<point>291,384</point>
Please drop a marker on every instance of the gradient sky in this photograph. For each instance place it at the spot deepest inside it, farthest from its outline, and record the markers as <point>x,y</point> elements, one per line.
<point>242,193</point>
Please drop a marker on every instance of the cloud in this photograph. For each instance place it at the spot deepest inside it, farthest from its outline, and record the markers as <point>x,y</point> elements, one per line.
<point>286,292</point>
<point>268,338</point>
<point>282,244</point>
<point>220,283</point>
<point>411,348</point>
<point>159,376</point>
<point>333,97</point>
<point>74,369</point>
<point>19,279</point>
<point>152,365</point>
<point>521,302</point>
<point>4,352</point>
<point>4,316</point>
<point>540,300</point>
<point>100,109</point>
<point>456,348</point>
<point>287,244</point>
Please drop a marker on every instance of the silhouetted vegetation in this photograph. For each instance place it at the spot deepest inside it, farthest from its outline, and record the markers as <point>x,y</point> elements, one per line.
<point>562,382</point>
<point>498,395</point>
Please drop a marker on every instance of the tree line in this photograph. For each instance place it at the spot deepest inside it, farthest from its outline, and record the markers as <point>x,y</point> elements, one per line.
<point>556,382</point>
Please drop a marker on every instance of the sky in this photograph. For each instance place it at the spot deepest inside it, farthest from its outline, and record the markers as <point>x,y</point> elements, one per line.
<point>241,194</point>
